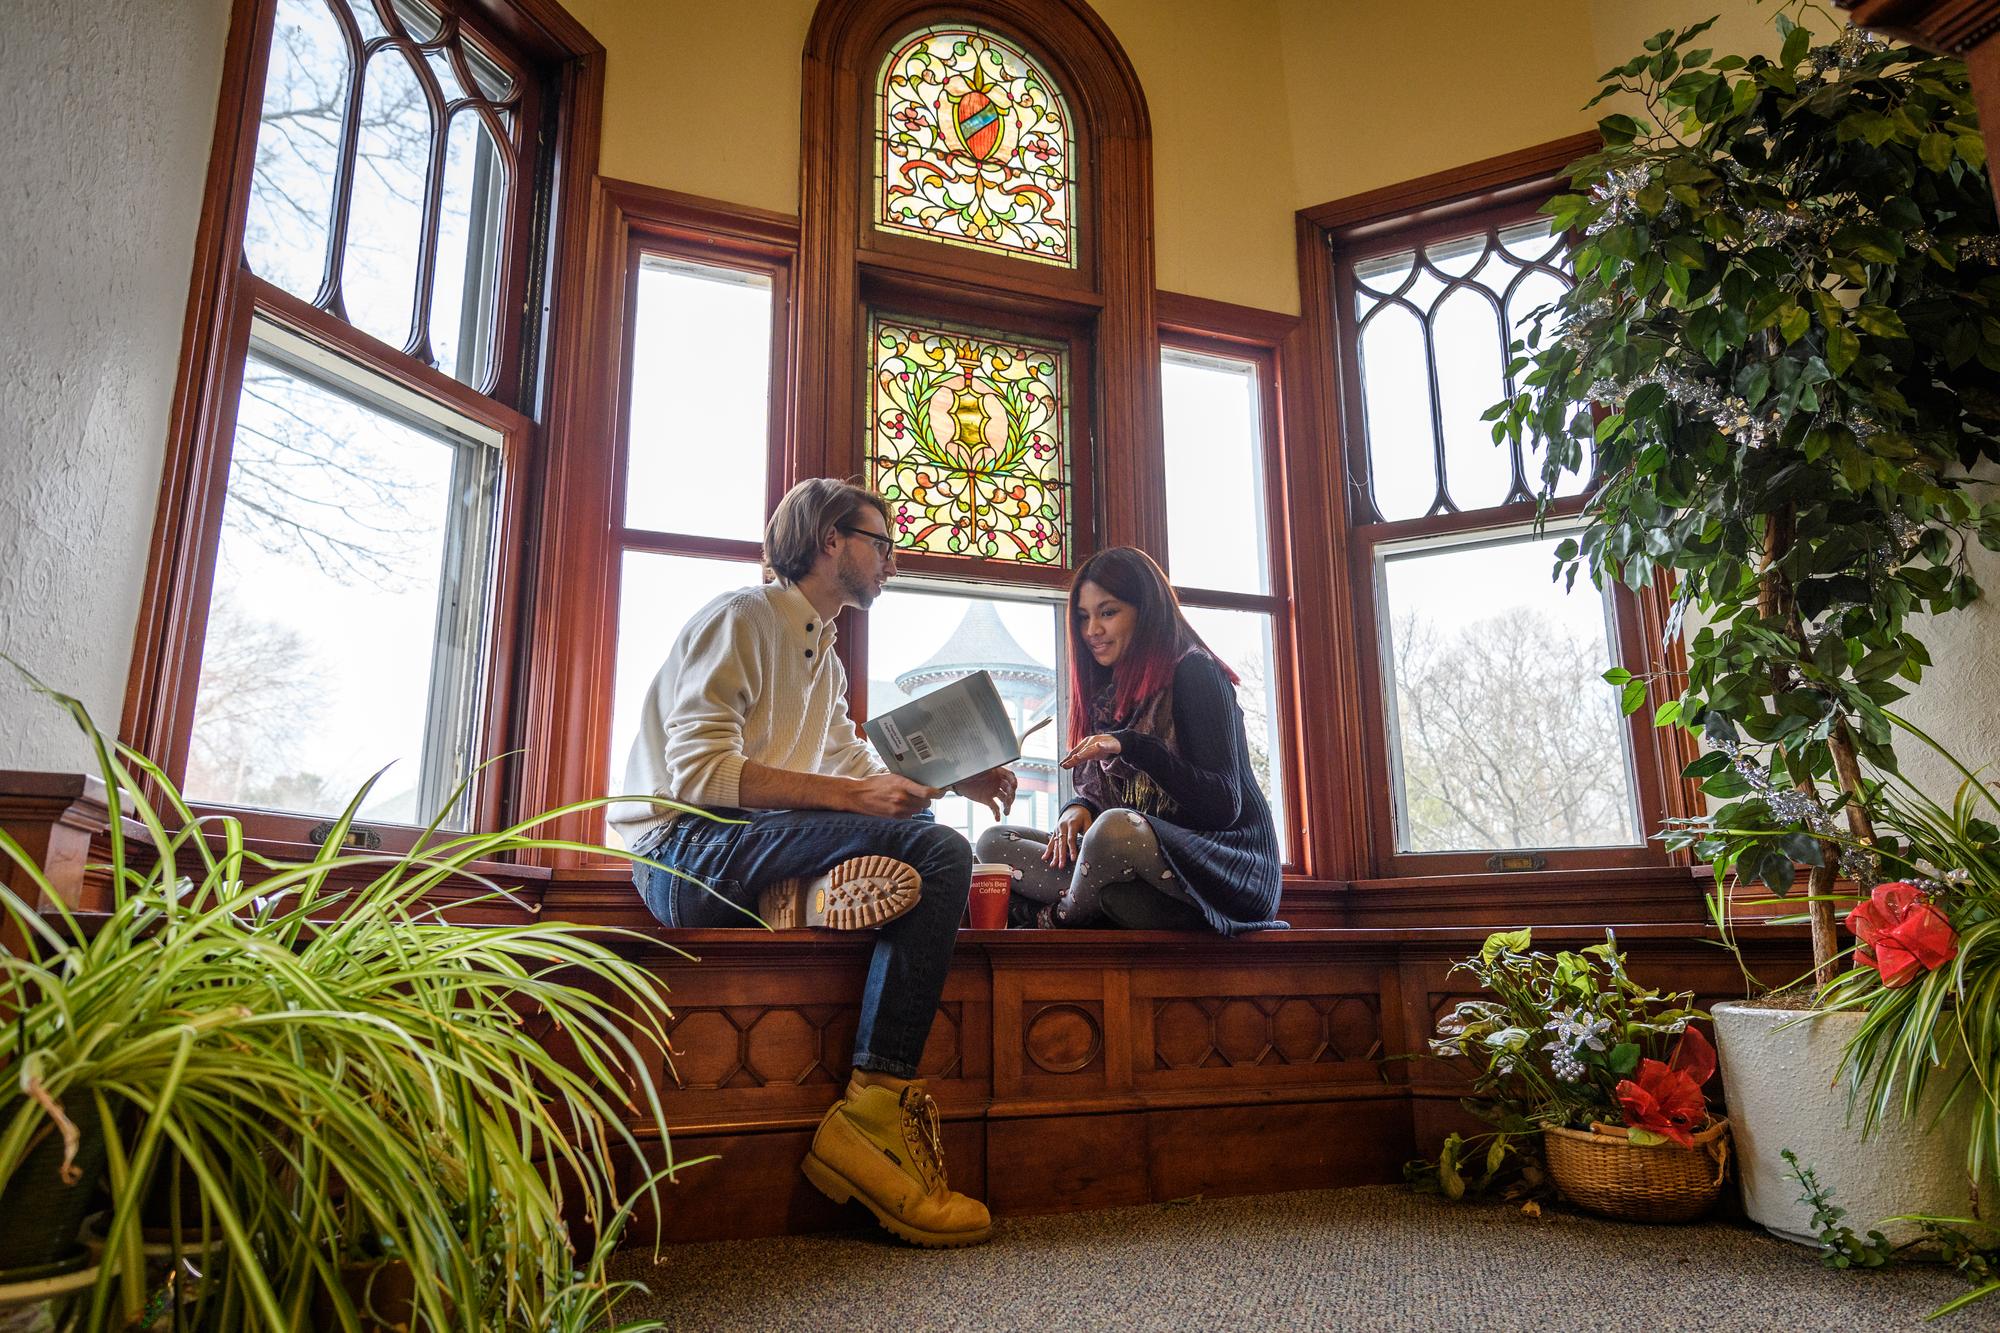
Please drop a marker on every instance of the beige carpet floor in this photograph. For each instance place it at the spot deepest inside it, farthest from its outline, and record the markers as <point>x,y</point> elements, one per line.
<point>1363,1259</point>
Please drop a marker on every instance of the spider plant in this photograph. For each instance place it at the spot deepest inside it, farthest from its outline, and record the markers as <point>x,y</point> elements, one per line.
<point>343,1073</point>
<point>1944,1021</point>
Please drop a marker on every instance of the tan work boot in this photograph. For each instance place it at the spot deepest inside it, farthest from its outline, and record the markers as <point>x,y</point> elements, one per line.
<point>859,893</point>
<point>880,1145</point>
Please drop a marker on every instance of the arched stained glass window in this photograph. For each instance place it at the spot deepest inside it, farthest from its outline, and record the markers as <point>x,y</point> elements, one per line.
<point>974,147</point>
<point>968,441</point>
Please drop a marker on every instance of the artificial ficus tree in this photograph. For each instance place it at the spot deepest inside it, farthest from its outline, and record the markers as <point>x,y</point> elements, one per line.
<point>1781,358</point>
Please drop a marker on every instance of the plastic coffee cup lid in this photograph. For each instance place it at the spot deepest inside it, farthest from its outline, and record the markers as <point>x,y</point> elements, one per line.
<point>989,868</point>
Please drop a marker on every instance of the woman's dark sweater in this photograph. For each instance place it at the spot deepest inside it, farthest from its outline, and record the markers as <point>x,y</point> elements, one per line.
<point>1201,799</point>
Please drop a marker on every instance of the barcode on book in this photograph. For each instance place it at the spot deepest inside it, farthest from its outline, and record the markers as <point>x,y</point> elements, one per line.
<point>921,745</point>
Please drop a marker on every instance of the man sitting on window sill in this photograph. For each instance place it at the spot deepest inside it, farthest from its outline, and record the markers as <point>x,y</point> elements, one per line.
<point>747,719</point>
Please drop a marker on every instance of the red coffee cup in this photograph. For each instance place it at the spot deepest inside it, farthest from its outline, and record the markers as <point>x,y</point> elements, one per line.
<point>990,887</point>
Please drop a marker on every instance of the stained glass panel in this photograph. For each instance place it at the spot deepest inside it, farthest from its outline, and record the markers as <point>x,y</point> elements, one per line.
<point>973,147</point>
<point>968,440</point>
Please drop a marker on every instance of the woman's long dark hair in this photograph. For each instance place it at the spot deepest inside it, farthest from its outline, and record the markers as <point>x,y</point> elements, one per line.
<point>1159,640</point>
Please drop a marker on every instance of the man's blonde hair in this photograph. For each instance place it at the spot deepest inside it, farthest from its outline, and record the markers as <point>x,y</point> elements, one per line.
<point>805,518</point>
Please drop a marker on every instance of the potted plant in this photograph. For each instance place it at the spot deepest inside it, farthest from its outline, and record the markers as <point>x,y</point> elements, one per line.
<point>1782,364</point>
<point>343,1072</point>
<point>1587,1077</point>
<point>1909,1030</point>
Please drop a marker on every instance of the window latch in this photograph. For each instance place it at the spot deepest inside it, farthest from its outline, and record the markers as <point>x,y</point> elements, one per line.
<point>365,838</point>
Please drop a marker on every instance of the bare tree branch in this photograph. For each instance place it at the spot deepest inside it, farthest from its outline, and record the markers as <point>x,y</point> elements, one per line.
<point>1509,737</point>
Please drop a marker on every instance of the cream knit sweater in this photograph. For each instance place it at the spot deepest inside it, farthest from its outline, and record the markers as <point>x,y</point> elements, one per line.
<point>752,676</point>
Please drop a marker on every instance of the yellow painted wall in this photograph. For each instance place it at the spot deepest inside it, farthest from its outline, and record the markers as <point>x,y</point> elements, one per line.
<point>702,96</point>
<point>1382,91</point>
<point>1259,107</point>
<point>1224,191</point>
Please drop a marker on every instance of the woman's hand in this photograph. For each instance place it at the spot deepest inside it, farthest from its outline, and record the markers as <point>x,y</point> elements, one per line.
<point>993,789</point>
<point>1092,747</point>
<point>1063,839</point>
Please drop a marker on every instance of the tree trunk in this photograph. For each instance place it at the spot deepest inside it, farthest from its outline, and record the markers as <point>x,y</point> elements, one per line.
<point>1774,603</point>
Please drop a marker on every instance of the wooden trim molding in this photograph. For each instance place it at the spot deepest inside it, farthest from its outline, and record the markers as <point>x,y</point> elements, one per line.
<point>843,50</point>
<point>700,220</point>
<point>1488,183</point>
<point>1953,27</point>
<point>1336,814</point>
<point>1202,317</point>
<point>173,610</point>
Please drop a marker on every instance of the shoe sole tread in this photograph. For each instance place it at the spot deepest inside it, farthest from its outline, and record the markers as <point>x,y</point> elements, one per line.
<point>860,893</point>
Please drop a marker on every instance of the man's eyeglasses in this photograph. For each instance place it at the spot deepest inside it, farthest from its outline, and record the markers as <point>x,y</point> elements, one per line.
<point>884,546</point>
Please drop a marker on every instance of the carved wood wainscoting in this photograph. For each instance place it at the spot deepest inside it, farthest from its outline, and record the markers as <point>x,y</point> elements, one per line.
<point>1074,1069</point>
<point>1094,1069</point>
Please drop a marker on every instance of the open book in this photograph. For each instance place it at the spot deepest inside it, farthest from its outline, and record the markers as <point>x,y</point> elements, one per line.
<point>949,734</point>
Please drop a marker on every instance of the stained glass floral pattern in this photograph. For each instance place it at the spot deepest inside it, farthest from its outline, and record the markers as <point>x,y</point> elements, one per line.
<point>967,440</point>
<point>973,147</point>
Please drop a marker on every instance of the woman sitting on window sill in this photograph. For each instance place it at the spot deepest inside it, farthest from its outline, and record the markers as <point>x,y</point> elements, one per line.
<point>1168,830</point>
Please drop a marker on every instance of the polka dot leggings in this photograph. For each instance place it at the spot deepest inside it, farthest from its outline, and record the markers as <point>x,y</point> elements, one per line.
<point>1119,846</point>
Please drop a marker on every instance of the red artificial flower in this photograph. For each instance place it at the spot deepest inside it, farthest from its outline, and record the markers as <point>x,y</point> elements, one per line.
<point>1666,1098</point>
<point>1903,933</point>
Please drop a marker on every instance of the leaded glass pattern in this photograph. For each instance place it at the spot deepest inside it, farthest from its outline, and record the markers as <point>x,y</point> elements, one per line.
<point>1434,325</point>
<point>968,441</point>
<point>973,147</point>
<point>381,196</point>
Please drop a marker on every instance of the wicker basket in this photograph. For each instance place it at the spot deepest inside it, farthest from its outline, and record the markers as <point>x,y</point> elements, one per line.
<point>1608,1174</point>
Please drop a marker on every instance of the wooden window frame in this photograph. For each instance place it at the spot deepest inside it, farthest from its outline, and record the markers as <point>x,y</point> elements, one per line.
<point>226,299</point>
<point>1103,308</point>
<point>846,266</point>
<point>574,666</point>
<point>1259,338</point>
<point>1500,190</point>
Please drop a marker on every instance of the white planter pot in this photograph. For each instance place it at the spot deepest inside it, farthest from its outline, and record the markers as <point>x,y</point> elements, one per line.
<point>1781,1077</point>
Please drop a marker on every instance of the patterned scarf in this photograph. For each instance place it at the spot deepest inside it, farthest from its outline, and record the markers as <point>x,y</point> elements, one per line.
<point>1115,781</point>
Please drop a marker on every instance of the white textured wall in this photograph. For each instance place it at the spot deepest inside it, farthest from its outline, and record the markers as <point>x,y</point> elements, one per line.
<point>106,113</point>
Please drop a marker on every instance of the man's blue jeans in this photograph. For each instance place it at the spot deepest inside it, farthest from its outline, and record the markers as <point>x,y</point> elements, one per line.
<point>912,953</point>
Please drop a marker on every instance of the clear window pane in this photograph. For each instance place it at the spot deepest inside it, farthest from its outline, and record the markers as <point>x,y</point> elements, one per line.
<point>468,266</point>
<point>919,641</point>
<point>1215,473</point>
<point>657,596</point>
<point>347,629</point>
<point>699,439</point>
<point>1502,732</point>
<point>1536,291</point>
<point>385,227</point>
<point>1471,367</point>
<point>298,147</point>
<point>1396,391</point>
<point>290,219</point>
<point>1458,303</point>
<point>1243,640</point>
